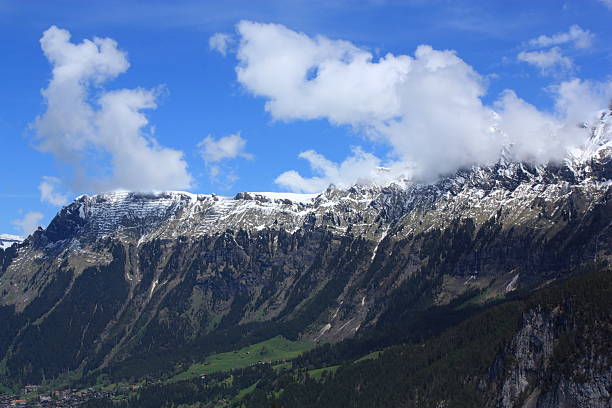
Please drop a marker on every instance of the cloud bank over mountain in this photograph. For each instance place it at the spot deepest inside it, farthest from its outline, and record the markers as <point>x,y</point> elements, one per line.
<point>428,106</point>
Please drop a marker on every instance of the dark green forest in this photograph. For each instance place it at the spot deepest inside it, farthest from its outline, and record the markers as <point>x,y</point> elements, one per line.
<point>455,354</point>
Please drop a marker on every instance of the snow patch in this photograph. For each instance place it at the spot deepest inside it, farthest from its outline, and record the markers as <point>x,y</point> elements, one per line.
<point>153,287</point>
<point>382,236</point>
<point>324,330</point>
<point>294,197</point>
<point>512,285</point>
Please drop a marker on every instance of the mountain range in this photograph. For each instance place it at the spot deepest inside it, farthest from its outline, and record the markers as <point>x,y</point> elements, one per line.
<point>136,285</point>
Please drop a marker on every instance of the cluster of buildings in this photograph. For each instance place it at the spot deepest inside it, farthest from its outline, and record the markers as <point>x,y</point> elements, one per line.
<point>55,399</point>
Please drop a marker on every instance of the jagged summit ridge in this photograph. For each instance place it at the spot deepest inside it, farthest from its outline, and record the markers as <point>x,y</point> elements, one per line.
<point>145,216</point>
<point>172,214</point>
<point>600,139</point>
<point>166,213</point>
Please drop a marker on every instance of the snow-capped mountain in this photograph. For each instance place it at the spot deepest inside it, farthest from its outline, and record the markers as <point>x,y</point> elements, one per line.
<point>143,273</point>
<point>479,190</point>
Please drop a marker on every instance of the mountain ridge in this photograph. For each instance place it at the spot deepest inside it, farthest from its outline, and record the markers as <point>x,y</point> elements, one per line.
<point>572,169</point>
<point>187,275</point>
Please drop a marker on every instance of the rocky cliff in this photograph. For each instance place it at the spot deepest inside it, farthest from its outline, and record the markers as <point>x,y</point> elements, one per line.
<point>535,378</point>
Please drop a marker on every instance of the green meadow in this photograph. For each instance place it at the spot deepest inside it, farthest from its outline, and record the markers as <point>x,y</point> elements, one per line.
<point>274,349</point>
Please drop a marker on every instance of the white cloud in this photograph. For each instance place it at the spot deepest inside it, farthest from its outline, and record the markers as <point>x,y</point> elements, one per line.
<point>79,128</point>
<point>427,107</point>
<point>220,42</point>
<point>607,3</point>
<point>533,130</point>
<point>28,223</point>
<point>226,147</point>
<point>548,62</point>
<point>576,36</point>
<point>576,100</point>
<point>359,168</point>
<point>48,193</point>
<point>309,78</point>
<point>216,151</point>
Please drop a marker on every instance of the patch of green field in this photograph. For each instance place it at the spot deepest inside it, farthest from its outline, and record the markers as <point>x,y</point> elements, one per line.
<point>282,366</point>
<point>372,356</point>
<point>245,391</point>
<point>318,372</point>
<point>274,349</point>
<point>5,390</point>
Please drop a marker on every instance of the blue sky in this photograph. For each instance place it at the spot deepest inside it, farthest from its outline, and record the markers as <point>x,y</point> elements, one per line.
<point>231,142</point>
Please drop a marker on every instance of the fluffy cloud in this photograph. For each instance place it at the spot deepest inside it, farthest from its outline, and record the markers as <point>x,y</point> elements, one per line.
<point>552,60</point>
<point>576,100</point>
<point>309,78</point>
<point>607,3</point>
<point>79,128</point>
<point>220,42</point>
<point>428,106</point>
<point>548,62</point>
<point>575,36</point>
<point>214,151</point>
<point>28,223</point>
<point>227,147</point>
<point>48,193</point>
<point>359,168</point>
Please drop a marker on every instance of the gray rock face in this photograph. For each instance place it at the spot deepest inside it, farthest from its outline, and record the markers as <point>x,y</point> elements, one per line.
<point>532,348</point>
<point>533,380</point>
<point>591,394</point>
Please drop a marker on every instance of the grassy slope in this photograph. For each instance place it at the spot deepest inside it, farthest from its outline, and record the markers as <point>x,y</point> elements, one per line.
<point>317,373</point>
<point>274,349</point>
<point>245,392</point>
<point>372,356</point>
